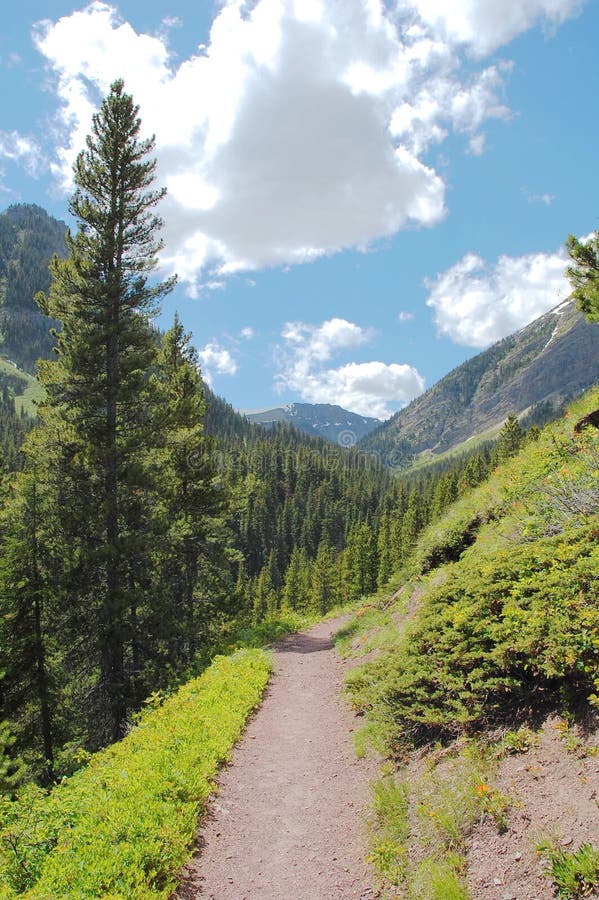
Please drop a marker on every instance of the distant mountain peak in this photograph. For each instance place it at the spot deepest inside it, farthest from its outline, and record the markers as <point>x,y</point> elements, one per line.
<point>326,420</point>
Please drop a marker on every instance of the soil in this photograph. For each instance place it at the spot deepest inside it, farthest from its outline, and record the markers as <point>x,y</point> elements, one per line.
<point>289,818</point>
<point>554,793</point>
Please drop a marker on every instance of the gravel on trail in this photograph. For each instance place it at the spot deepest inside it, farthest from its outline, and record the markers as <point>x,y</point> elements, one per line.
<point>289,818</point>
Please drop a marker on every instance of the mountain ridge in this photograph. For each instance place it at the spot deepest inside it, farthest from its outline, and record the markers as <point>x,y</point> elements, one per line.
<point>326,420</point>
<point>530,373</point>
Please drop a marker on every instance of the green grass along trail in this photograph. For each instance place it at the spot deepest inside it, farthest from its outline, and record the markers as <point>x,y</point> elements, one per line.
<point>289,819</point>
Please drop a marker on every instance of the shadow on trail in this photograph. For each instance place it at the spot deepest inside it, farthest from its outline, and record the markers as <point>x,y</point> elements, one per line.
<point>303,643</point>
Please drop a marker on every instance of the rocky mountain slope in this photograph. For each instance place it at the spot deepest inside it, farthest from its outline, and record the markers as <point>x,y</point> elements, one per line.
<point>528,373</point>
<point>318,419</point>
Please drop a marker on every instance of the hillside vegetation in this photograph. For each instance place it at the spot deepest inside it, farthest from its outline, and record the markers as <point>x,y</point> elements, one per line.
<point>495,627</point>
<point>122,826</point>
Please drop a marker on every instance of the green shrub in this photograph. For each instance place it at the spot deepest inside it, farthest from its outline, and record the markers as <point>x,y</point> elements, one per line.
<point>122,826</point>
<point>519,741</point>
<point>502,632</point>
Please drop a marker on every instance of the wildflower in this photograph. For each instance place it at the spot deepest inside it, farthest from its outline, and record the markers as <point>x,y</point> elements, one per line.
<point>482,789</point>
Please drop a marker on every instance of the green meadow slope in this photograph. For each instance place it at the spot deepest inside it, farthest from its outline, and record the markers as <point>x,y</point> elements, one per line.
<point>492,626</point>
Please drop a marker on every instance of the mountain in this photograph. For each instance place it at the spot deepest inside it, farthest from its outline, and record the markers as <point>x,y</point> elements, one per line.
<point>29,237</point>
<point>334,423</point>
<point>530,373</point>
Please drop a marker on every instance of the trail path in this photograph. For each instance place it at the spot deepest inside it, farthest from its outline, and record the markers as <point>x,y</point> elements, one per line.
<point>288,821</point>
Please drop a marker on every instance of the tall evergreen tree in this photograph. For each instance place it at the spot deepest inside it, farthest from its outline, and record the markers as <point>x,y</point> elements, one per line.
<point>24,601</point>
<point>361,562</point>
<point>98,388</point>
<point>324,586</point>
<point>195,540</point>
<point>296,587</point>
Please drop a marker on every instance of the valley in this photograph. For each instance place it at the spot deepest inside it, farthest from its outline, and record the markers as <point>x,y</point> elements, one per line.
<point>363,654</point>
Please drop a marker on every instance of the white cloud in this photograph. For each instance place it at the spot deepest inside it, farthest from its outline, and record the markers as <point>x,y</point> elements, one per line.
<point>477,144</point>
<point>20,149</point>
<point>365,388</point>
<point>485,25</point>
<point>545,198</point>
<point>444,102</point>
<point>317,343</point>
<point>247,333</point>
<point>370,388</point>
<point>298,129</point>
<point>216,360</point>
<point>405,316</point>
<point>476,303</point>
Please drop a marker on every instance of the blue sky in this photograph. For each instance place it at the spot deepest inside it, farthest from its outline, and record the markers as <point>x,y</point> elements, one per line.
<point>361,194</point>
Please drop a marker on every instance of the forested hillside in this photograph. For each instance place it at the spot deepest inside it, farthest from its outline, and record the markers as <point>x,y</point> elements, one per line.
<point>29,237</point>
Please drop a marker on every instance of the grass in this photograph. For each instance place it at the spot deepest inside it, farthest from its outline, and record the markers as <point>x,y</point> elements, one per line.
<point>122,827</point>
<point>371,628</point>
<point>429,457</point>
<point>421,820</point>
<point>29,393</point>
<point>575,874</point>
<point>521,740</point>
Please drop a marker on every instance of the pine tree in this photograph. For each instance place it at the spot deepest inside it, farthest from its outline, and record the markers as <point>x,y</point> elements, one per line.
<point>385,550</point>
<point>511,437</point>
<point>97,390</point>
<point>360,563</point>
<point>194,502</point>
<point>295,589</point>
<point>24,597</point>
<point>324,581</point>
<point>584,274</point>
<point>411,523</point>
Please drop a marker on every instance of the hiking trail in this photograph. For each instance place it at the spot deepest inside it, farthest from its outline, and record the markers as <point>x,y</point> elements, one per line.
<point>289,818</point>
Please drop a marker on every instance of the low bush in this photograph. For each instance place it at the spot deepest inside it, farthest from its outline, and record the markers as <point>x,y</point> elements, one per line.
<point>122,826</point>
<point>501,635</point>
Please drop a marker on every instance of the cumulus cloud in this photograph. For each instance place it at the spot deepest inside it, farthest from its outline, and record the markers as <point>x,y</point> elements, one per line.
<point>445,102</point>
<point>317,343</point>
<point>370,388</point>
<point>476,303</point>
<point>20,149</point>
<point>485,25</point>
<point>298,129</point>
<point>216,360</point>
<point>247,333</point>
<point>405,316</point>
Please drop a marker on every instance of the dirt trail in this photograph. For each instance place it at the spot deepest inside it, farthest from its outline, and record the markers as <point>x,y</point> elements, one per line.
<point>288,822</point>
